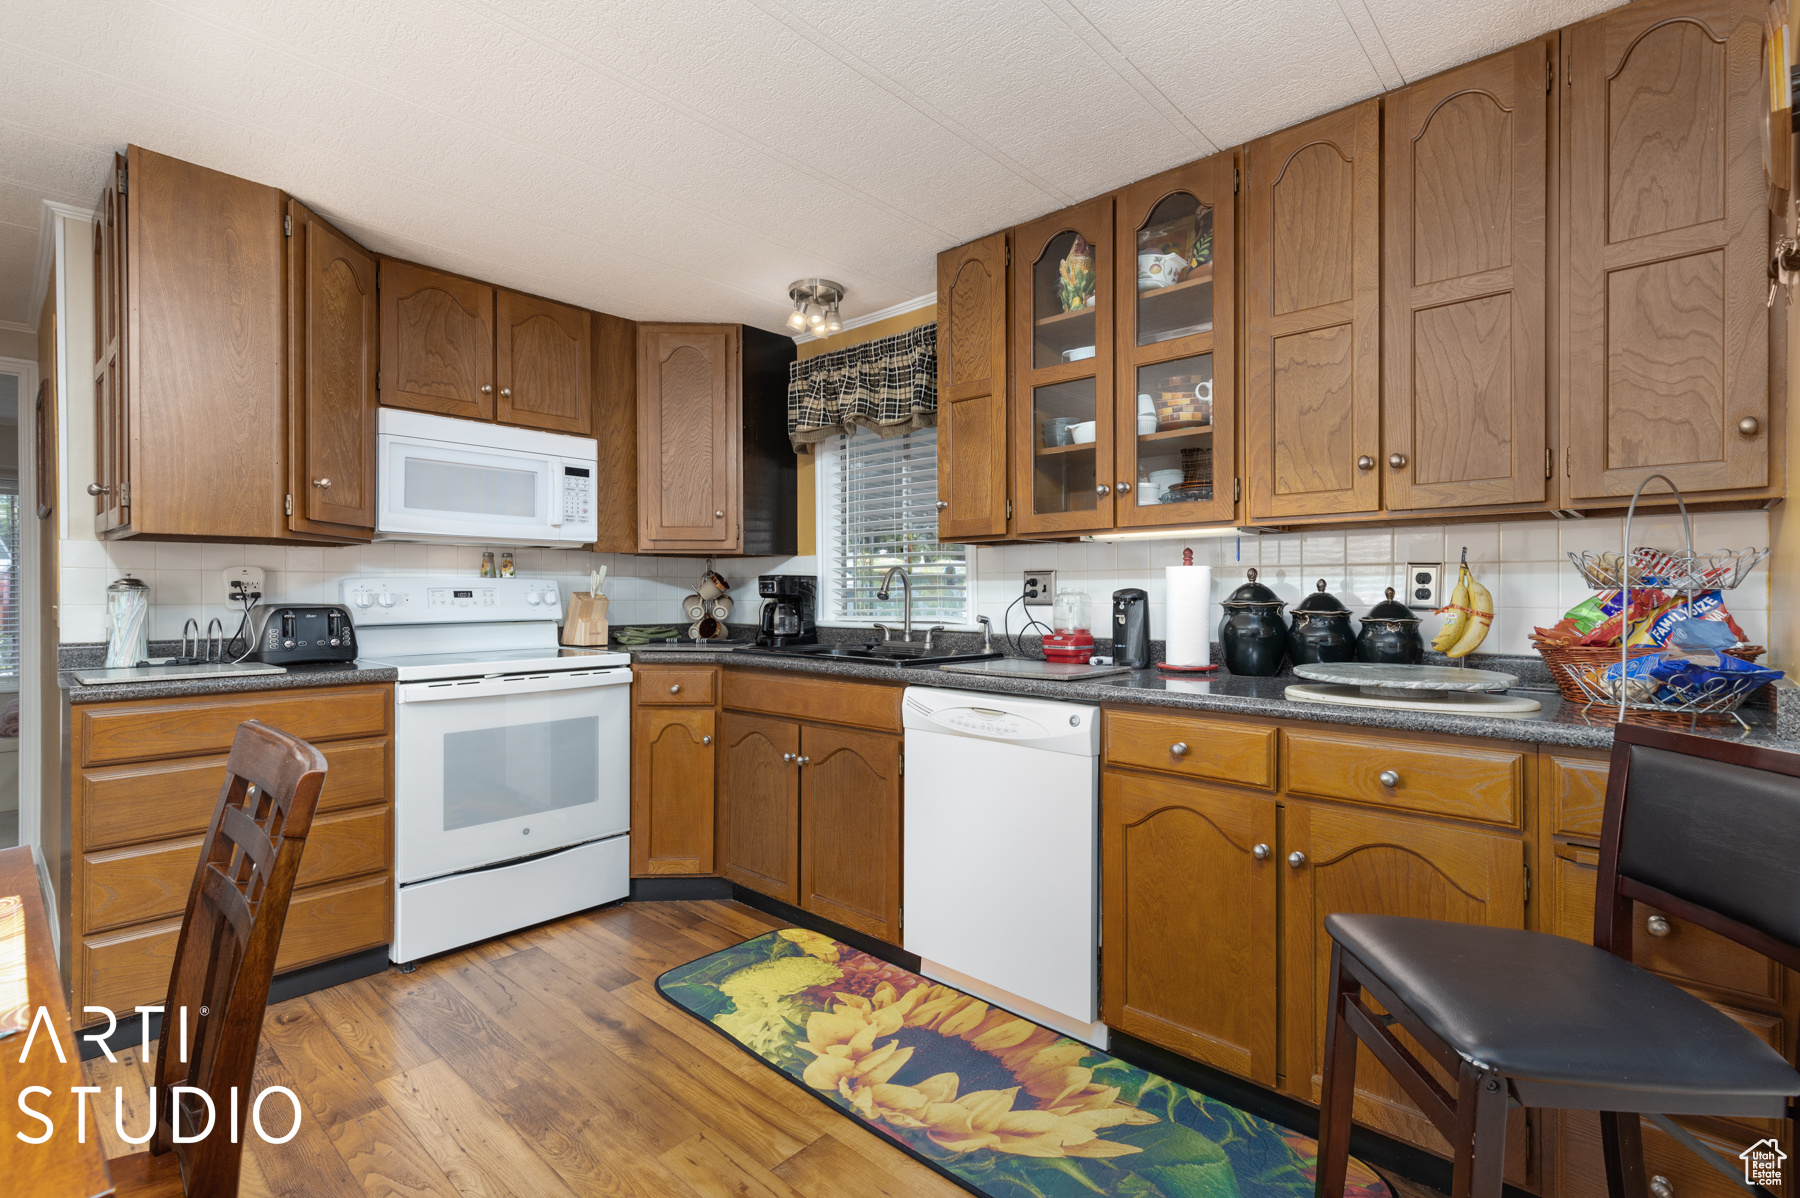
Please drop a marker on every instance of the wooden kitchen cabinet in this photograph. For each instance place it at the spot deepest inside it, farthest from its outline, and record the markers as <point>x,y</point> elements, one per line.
<point>542,367</point>
<point>672,790</point>
<point>1666,362</point>
<point>112,458</point>
<point>974,499</point>
<point>1062,367</point>
<point>1464,283</point>
<point>1190,937</point>
<point>334,332</point>
<point>615,434</point>
<point>716,473</point>
<point>1312,315</point>
<point>1176,346</point>
<point>437,342</point>
<point>759,804</point>
<point>850,828</point>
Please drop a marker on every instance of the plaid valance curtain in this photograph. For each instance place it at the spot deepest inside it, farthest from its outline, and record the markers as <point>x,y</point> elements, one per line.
<point>888,385</point>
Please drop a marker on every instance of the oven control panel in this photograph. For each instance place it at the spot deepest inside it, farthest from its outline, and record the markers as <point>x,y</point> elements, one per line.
<point>449,599</point>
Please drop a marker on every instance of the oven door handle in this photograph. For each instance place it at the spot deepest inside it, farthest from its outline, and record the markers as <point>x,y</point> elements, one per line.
<point>511,684</point>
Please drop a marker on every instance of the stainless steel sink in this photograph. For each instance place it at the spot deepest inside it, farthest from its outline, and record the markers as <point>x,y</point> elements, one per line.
<point>899,656</point>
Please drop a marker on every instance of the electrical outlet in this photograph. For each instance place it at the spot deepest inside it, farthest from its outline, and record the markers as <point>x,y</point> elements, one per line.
<point>1040,588</point>
<point>241,579</point>
<point>1424,585</point>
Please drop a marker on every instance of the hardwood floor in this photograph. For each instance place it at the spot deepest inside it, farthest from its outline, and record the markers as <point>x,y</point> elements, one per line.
<point>540,1065</point>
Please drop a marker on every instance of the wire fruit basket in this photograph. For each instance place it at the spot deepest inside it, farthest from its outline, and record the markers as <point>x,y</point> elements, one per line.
<point>1689,571</point>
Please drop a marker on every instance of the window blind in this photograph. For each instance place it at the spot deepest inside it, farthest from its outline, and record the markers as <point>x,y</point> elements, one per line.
<point>9,582</point>
<point>878,508</point>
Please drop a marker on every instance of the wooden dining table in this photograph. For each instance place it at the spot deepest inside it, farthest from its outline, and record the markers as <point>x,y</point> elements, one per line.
<point>62,1166</point>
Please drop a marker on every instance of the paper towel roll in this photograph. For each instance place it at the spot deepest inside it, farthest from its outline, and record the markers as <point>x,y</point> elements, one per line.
<point>1188,593</point>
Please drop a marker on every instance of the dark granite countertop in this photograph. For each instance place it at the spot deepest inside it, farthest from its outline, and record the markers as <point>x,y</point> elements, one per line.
<point>320,674</point>
<point>1558,723</point>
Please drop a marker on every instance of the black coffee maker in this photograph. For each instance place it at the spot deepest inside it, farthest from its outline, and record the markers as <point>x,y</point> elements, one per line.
<point>789,610</point>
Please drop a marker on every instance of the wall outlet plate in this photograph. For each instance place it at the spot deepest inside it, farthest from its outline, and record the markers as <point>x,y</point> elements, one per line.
<point>1040,588</point>
<point>1424,589</point>
<point>243,578</point>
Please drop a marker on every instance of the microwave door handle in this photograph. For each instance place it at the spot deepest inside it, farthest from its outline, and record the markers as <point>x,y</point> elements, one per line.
<point>558,492</point>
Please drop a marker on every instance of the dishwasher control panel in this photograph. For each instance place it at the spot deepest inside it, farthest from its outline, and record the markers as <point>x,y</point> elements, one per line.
<point>999,725</point>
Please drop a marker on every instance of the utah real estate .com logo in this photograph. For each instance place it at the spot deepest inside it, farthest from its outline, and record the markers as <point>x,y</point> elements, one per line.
<point>1762,1162</point>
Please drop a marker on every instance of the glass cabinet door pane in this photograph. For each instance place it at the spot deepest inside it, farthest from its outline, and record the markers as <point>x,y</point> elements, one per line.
<point>1175,270</point>
<point>1174,431</point>
<point>1063,449</point>
<point>1062,299</point>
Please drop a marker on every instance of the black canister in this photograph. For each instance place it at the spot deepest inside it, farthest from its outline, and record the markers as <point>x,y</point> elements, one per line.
<point>1321,630</point>
<point>1252,635</point>
<point>1390,635</point>
<point>1131,627</point>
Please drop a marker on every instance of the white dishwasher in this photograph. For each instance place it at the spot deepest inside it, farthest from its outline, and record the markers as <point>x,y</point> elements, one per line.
<point>1002,879</point>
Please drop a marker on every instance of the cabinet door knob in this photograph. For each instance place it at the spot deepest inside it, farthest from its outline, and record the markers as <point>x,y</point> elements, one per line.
<point>506,392</point>
<point>706,740</point>
<point>1178,749</point>
<point>1365,462</point>
<point>487,388</point>
<point>675,689</point>
<point>1296,859</point>
<point>942,504</point>
<point>1124,488</point>
<point>1397,460</point>
<point>1658,926</point>
<point>1749,426</point>
<point>1661,1187</point>
<point>98,489</point>
<point>1103,490</point>
<point>1260,852</point>
<point>1388,778</point>
<point>322,483</point>
<point>801,760</point>
<point>788,756</point>
<point>718,515</point>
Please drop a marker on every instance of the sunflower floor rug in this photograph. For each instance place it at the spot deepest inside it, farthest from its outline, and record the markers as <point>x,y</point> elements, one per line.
<point>1001,1105</point>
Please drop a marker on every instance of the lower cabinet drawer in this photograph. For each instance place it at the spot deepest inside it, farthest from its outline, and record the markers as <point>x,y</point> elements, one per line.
<point>1581,1170</point>
<point>659,686</point>
<point>827,700</point>
<point>1218,750</point>
<point>1576,788</point>
<point>126,969</point>
<point>105,733</point>
<point>1460,781</point>
<point>132,885</point>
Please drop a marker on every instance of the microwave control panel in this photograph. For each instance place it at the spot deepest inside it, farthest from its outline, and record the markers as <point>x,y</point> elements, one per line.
<point>578,495</point>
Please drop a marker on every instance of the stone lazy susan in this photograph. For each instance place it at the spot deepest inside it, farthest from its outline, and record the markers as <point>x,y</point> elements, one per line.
<point>1411,688</point>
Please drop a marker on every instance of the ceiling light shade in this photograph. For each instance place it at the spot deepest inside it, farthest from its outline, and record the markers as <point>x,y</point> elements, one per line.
<point>815,306</point>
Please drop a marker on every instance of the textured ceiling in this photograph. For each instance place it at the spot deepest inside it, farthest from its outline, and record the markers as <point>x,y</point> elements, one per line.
<point>687,160</point>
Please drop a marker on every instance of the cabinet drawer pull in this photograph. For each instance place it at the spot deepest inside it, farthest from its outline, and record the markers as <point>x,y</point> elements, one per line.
<point>1178,749</point>
<point>322,483</point>
<point>1658,926</point>
<point>1661,1187</point>
<point>706,740</point>
<point>1749,426</point>
<point>1397,460</point>
<point>487,388</point>
<point>802,760</point>
<point>1388,778</point>
<point>675,689</point>
<point>1296,859</point>
<point>1260,852</point>
<point>1365,462</point>
<point>97,488</point>
<point>789,756</point>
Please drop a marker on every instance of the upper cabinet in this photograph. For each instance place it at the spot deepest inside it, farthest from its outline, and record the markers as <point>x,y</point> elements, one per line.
<point>1465,405</point>
<point>1174,417</point>
<point>437,341</point>
<point>1312,315</point>
<point>111,487</point>
<point>972,389</point>
<point>1063,296</point>
<point>716,473</point>
<point>333,334</point>
<point>542,364</point>
<point>1666,353</point>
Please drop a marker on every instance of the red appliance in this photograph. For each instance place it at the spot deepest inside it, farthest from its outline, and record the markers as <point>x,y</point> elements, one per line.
<point>1075,645</point>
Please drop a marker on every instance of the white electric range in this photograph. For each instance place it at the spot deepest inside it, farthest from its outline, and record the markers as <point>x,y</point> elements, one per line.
<point>512,758</point>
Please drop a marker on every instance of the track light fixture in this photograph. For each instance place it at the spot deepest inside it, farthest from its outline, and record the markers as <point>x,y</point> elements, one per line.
<point>815,306</point>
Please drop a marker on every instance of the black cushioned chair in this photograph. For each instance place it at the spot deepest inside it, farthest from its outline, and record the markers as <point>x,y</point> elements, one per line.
<point>1706,830</point>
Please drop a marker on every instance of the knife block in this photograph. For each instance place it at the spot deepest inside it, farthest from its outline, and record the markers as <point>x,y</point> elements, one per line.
<point>585,626</point>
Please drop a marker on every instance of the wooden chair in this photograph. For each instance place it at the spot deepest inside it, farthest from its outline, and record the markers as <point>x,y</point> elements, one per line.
<point>1706,830</point>
<point>224,962</point>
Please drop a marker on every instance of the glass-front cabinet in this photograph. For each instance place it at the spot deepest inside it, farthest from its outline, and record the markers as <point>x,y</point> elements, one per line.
<point>1173,415</point>
<point>1064,426</point>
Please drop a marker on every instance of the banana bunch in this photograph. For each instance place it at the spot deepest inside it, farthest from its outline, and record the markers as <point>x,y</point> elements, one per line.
<point>1471,613</point>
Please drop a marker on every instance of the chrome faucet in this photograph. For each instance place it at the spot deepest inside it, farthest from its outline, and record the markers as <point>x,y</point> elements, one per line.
<point>887,580</point>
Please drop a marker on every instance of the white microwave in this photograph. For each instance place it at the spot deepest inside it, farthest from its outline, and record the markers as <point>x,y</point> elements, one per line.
<point>443,479</point>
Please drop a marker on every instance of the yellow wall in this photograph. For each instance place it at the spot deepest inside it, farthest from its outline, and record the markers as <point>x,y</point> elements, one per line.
<point>809,515</point>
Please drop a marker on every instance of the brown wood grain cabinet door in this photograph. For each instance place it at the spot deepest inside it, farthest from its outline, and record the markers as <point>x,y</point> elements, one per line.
<point>334,332</point>
<point>1190,938</point>
<point>672,791</point>
<point>1358,862</point>
<point>1312,312</point>
<point>1465,181</point>
<point>112,461</point>
<point>759,804</point>
<point>689,450</point>
<point>972,389</point>
<point>542,363</point>
<point>1062,475</point>
<point>850,828</point>
<point>615,409</point>
<point>437,342</point>
<point>1177,339</point>
<point>1667,344</point>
